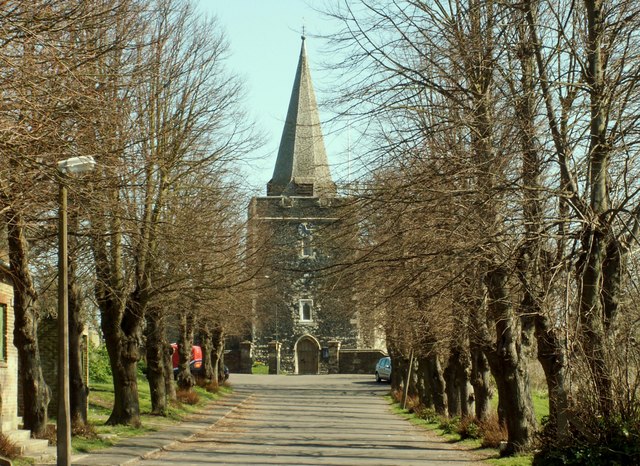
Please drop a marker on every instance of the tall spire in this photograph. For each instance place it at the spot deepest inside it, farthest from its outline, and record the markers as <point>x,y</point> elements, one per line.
<point>302,168</point>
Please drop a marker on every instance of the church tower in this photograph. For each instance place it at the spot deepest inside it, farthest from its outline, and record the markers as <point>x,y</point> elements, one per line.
<point>296,236</point>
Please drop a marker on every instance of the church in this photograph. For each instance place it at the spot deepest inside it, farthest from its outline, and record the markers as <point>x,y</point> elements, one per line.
<point>304,309</point>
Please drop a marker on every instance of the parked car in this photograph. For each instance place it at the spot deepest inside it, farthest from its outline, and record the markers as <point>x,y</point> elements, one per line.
<point>383,369</point>
<point>195,362</point>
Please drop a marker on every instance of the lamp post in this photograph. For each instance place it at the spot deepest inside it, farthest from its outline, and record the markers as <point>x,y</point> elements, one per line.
<point>71,166</point>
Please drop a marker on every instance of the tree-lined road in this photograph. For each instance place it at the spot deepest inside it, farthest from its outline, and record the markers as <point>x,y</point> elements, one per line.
<point>312,420</point>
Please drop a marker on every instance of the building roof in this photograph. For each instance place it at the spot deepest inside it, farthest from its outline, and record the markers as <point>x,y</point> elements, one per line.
<point>302,168</point>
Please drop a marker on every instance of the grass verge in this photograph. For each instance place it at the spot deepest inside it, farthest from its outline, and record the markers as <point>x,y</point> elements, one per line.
<point>100,404</point>
<point>447,430</point>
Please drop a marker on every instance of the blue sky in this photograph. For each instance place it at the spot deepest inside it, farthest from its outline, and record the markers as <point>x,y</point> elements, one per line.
<point>264,37</point>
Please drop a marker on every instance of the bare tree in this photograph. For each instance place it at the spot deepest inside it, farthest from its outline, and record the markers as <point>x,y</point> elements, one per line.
<point>539,195</point>
<point>183,121</point>
<point>42,113</point>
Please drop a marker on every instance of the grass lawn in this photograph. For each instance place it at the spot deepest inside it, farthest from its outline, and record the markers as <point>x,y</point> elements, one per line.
<point>540,404</point>
<point>260,368</point>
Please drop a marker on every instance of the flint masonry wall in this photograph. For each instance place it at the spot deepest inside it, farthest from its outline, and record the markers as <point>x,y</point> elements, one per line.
<point>288,276</point>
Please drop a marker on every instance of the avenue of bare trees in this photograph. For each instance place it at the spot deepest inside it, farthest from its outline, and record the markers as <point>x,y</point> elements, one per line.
<point>156,230</point>
<point>496,217</point>
<point>499,208</point>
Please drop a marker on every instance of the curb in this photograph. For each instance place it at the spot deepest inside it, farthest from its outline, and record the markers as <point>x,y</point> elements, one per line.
<point>133,449</point>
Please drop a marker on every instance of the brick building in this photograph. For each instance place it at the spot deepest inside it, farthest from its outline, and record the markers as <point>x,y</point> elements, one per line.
<point>298,232</point>
<point>8,355</point>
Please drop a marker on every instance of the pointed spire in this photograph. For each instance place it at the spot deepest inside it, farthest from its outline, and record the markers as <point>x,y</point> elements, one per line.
<point>302,168</point>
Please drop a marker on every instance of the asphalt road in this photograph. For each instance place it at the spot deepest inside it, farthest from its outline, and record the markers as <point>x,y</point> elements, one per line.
<point>311,420</point>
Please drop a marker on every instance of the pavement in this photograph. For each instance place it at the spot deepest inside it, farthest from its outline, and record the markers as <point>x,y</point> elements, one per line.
<point>130,450</point>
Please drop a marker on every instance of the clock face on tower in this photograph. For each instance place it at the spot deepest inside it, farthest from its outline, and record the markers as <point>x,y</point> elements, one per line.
<point>303,229</point>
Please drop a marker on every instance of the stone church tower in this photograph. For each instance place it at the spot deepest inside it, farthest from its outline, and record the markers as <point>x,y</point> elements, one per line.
<point>303,306</point>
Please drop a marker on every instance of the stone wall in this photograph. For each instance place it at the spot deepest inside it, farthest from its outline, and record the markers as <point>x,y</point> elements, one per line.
<point>232,360</point>
<point>359,361</point>
<point>348,361</point>
<point>48,345</point>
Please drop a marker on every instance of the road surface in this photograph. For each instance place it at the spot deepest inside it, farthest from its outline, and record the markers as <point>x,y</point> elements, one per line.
<point>312,420</point>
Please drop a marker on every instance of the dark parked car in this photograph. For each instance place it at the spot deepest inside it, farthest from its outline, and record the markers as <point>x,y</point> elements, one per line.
<point>383,369</point>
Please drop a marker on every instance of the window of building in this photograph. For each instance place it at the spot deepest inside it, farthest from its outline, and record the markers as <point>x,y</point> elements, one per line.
<point>3,332</point>
<point>306,310</point>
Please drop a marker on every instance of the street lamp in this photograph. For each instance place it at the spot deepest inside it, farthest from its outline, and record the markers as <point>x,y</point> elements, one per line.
<point>71,166</point>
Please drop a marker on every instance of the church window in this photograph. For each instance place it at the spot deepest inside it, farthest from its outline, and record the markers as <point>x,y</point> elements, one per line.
<point>306,310</point>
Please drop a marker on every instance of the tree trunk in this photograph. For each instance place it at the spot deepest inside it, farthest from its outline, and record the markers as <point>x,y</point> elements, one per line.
<point>156,347</point>
<point>186,380</point>
<point>122,314</point>
<point>593,332</point>
<point>220,366</point>
<point>122,338</point>
<point>77,385</point>
<point>595,237</point>
<point>169,385</point>
<point>433,393</point>
<point>399,366</point>
<point>508,367</point>
<point>208,371</point>
<point>459,397</point>
<point>217,352</point>
<point>437,383</point>
<point>480,380</point>
<point>551,354</point>
<point>399,369</point>
<point>35,393</point>
<point>79,391</point>
<point>411,381</point>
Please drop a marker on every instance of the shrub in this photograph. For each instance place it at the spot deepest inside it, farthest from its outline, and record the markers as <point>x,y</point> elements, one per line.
<point>84,430</point>
<point>396,395</point>
<point>469,428</point>
<point>598,442</point>
<point>99,367</point>
<point>49,434</point>
<point>212,387</point>
<point>450,425</point>
<point>201,381</point>
<point>428,414</point>
<point>413,404</point>
<point>8,449</point>
<point>492,432</point>
<point>188,397</point>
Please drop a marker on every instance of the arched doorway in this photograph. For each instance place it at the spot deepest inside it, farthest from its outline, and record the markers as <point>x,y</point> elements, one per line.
<point>307,355</point>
